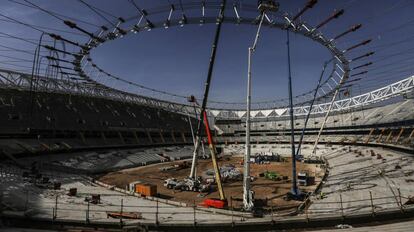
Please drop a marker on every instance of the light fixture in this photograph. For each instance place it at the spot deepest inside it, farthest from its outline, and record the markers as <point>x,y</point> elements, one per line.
<point>360,57</point>
<point>149,25</point>
<point>168,21</point>
<point>352,29</point>
<point>335,15</point>
<point>135,29</point>
<point>203,6</point>
<point>363,65</point>
<point>238,21</point>
<point>308,5</point>
<point>121,31</point>
<point>358,45</point>
<point>167,24</point>
<point>111,35</point>
<point>183,20</point>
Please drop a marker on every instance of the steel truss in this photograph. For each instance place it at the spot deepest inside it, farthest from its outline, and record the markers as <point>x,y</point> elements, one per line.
<point>21,81</point>
<point>378,95</point>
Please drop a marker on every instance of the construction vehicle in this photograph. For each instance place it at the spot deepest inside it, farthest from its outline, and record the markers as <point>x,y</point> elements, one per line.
<point>187,184</point>
<point>272,176</point>
<point>193,183</point>
<point>305,179</point>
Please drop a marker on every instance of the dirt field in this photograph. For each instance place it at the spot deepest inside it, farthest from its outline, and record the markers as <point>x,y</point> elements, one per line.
<point>264,189</point>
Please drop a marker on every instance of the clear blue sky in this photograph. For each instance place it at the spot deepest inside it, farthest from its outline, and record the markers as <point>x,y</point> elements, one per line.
<point>176,59</point>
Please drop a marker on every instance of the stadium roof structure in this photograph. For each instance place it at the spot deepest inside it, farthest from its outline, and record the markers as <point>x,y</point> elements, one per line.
<point>55,68</point>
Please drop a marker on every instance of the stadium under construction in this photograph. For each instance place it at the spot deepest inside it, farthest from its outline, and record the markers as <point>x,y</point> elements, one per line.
<point>328,147</point>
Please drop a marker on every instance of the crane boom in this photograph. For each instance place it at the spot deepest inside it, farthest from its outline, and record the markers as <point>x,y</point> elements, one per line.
<point>213,157</point>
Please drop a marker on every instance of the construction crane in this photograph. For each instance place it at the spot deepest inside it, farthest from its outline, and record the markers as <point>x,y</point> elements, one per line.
<point>193,174</point>
<point>248,194</point>
<point>193,179</point>
<point>221,202</point>
<point>210,202</point>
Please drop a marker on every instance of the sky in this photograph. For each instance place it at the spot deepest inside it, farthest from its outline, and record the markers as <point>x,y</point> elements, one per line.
<point>176,59</point>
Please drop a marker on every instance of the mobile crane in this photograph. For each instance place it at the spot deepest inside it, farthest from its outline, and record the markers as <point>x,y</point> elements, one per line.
<point>222,202</point>
<point>195,184</point>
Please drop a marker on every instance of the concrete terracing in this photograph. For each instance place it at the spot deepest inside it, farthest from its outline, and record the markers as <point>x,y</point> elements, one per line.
<point>109,160</point>
<point>23,198</point>
<point>352,177</point>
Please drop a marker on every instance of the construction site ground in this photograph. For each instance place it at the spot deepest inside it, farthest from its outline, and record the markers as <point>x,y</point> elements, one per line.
<point>266,190</point>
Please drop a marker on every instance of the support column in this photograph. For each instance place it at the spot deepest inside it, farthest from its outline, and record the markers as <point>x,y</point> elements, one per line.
<point>379,138</point>
<point>149,136</point>
<point>161,136</point>
<point>173,137</point>
<point>103,137</point>
<point>135,136</point>
<point>248,194</point>
<point>389,136</point>
<point>399,135</point>
<point>82,136</point>
<point>294,189</point>
<point>183,136</point>
<point>369,135</point>
<point>411,135</point>
<point>121,137</point>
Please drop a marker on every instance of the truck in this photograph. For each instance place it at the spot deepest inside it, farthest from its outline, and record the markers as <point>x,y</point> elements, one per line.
<point>305,179</point>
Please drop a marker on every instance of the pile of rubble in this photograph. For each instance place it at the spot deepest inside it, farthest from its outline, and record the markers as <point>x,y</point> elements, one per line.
<point>228,172</point>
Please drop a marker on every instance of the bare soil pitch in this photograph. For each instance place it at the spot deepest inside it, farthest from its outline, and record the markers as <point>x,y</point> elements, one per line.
<point>266,190</point>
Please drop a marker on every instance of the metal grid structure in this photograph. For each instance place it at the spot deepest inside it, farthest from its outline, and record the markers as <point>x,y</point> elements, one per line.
<point>375,96</point>
<point>21,81</point>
